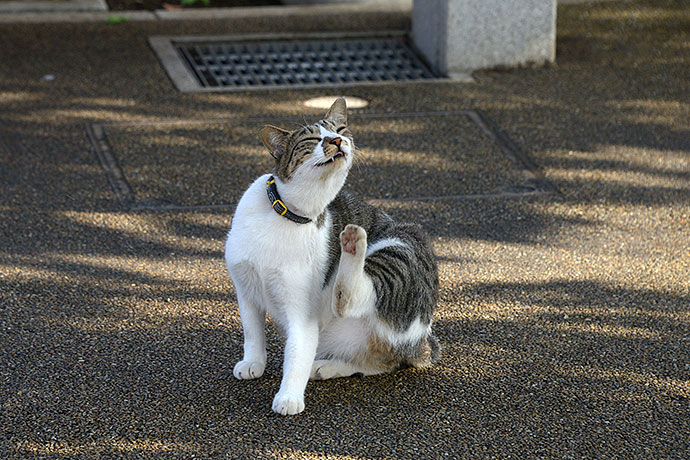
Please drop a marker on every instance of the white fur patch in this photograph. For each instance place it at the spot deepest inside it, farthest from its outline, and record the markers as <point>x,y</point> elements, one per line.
<point>325,132</point>
<point>385,243</point>
<point>345,146</point>
<point>343,338</point>
<point>415,332</point>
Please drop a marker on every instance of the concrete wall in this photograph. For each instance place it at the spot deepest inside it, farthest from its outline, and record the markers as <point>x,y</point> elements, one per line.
<point>459,36</point>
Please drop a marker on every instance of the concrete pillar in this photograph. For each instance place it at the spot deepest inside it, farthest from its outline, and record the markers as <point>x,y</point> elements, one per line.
<point>459,36</point>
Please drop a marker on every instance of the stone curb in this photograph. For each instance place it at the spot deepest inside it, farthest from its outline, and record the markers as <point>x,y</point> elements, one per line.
<point>47,6</point>
<point>80,16</point>
<point>207,13</point>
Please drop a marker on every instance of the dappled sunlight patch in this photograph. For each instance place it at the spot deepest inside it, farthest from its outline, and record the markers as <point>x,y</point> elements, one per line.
<point>592,243</point>
<point>362,126</point>
<point>226,105</point>
<point>155,229</point>
<point>633,15</point>
<point>127,274</point>
<point>428,162</point>
<point>114,293</point>
<point>79,115</point>
<point>623,175</point>
<point>564,309</point>
<point>610,330</point>
<point>104,102</point>
<point>655,161</point>
<point>155,270</point>
<point>646,180</point>
<point>104,446</point>
<point>600,217</point>
<point>656,111</point>
<point>671,386</point>
<point>286,452</point>
<point>7,97</point>
<point>629,159</point>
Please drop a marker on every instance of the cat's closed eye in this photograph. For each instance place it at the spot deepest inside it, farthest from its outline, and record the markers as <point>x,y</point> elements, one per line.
<point>308,139</point>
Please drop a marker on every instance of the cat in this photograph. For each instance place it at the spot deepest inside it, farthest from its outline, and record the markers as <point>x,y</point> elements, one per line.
<point>352,290</point>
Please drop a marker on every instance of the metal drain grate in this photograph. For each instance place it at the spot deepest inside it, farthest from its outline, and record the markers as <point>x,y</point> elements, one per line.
<point>234,65</point>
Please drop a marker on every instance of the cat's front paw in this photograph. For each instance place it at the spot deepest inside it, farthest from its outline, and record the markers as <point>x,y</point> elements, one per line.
<point>285,403</point>
<point>353,240</point>
<point>248,370</point>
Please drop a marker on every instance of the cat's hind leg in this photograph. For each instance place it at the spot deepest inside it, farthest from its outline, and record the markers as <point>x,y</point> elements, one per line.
<point>324,369</point>
<point>378,357</point>
<point>353,291</point>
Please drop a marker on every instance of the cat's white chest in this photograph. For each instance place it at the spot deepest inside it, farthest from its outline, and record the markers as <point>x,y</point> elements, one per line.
<point>272,259</point>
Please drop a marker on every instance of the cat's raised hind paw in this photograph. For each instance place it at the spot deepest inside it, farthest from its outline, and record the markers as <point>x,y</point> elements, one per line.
<point>288,404</point>
<point>353,240</point>
<point>248,370</point>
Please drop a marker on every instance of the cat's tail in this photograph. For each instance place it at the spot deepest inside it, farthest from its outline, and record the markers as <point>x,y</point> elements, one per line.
<point>428,352</point>
<point>435,348</point>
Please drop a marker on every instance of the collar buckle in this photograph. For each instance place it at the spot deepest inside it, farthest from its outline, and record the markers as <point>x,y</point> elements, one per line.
<point>279,207</point>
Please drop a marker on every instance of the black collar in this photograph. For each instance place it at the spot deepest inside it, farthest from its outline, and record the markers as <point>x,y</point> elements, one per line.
<point>278,205</point>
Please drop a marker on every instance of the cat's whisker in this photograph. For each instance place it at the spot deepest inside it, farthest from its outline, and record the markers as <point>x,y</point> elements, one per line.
<point>358,159</point>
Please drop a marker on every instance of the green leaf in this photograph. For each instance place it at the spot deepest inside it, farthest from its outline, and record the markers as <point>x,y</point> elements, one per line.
<point>192,2</point>
<point>114,19</point>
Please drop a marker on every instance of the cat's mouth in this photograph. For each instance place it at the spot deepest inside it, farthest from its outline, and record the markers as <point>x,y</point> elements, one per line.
<point>332,159</point>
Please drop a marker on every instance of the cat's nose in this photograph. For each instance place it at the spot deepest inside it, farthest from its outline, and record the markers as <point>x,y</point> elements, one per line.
<point>335,142</point>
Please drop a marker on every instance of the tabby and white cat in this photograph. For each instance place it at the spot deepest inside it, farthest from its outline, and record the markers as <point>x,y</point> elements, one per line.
<point>353,291</point>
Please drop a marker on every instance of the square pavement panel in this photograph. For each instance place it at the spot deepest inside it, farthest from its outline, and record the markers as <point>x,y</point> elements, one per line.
<point>197,164</point>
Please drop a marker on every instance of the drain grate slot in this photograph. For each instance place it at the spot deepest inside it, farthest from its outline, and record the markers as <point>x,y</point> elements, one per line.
<point>260,64</point>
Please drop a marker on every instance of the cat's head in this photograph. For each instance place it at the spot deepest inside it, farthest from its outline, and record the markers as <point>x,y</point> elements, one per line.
<point>320,151</point>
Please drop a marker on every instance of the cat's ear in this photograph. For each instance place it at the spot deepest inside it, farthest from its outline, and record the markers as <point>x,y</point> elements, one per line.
<point>274,139</point>
<point>338,111</point>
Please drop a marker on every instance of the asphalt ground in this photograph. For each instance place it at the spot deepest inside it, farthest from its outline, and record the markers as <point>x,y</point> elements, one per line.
<point>564,316</point>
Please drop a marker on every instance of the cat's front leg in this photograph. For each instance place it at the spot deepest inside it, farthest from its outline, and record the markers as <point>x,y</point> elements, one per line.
<point>353,291</point>
<point>300,350</point>
<point>253,326</point>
